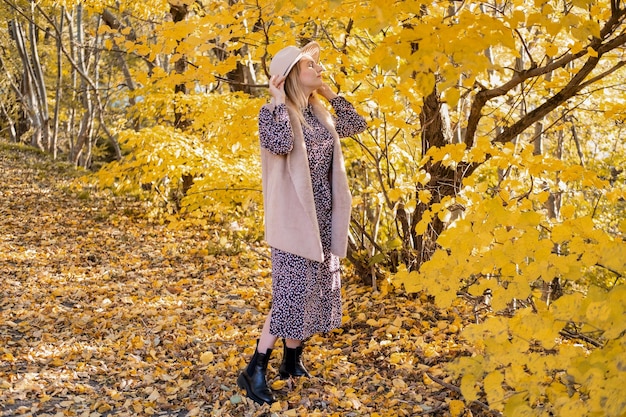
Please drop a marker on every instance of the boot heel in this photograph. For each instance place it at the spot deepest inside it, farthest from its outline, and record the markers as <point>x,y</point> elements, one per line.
<point>255,383</point>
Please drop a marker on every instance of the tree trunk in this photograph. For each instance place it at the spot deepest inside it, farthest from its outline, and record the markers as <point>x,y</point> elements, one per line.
<point>40,83</point>
<point>9,120</point>
<point>111,21</point>
<point>179,13</point>
<point>81,153</point>
<point>52,148</point>
<point>7,107</point>
<point>444,181</point>
<point>70,125</point>
<point>27,89</point>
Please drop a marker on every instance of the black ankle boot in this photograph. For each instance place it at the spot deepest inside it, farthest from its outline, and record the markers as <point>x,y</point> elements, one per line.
<point>252,379</point>
<point>292,363</point>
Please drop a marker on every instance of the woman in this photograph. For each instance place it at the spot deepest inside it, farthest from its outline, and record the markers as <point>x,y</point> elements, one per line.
<point>307,210</point>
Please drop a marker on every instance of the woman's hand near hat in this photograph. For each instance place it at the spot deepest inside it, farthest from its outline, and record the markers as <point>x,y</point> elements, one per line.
<point>326,92</point>
<point>277,88</point>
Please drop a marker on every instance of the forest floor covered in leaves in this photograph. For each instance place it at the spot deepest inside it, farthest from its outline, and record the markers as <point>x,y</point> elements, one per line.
<point>105,313</point>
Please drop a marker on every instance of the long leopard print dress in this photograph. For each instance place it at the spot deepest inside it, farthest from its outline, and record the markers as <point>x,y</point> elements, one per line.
<point>307,294</point>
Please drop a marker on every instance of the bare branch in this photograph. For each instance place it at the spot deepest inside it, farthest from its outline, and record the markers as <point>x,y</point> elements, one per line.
<point>533,64</point>
<point>604,74</point>
<point>580,336</point>
<point>482,97</point>
<point>455,389</point>
<point>575,85</point>
<point>617,273</point>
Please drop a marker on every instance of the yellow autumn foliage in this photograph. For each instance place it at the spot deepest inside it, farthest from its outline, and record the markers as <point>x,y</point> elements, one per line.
<point>497,219</point>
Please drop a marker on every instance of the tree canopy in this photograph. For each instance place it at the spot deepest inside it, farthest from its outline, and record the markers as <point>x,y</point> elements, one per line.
<point>492,167</point>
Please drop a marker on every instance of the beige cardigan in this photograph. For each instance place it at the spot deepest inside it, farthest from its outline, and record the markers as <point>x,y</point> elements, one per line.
<point>290,218</point>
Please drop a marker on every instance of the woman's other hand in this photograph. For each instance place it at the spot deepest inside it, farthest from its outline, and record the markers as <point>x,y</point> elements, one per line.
<point>277,88</point>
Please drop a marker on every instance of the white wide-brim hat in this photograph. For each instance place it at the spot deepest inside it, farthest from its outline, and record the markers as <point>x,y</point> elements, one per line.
<point>286,58</point>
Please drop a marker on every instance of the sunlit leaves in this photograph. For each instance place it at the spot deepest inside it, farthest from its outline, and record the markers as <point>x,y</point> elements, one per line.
<point>386,59</point>
<point>511,249</point>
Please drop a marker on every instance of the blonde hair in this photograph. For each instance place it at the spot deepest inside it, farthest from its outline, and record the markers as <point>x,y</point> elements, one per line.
<point>297,100</point>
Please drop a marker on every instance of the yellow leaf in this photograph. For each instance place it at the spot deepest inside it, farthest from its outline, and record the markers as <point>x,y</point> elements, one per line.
<point>576,47</point>
<point>516,376</point>
<point>206,358</point>
<point>456,408</point>
<point>279,384</point>
<point>561,233</point>
<point>494,390</point>
<point>552,50</point>
<point>299,4</point>
<point>373,323</point>
<point>57,362</point>
<point>426,380</point>
<point>517,405</point>
<point>137,342</point>
<point>568,211</point>
<point>567,307</point>
<point>395,194</point>
<point>395,358</point>
<point>425,82</point>
<point>468,387</point>
<point>452,96</point>
<point>598,311</point>
<point>424,196</point>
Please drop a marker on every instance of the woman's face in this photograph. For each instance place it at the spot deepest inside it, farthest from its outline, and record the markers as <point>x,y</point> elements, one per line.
<point>310,74</point>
